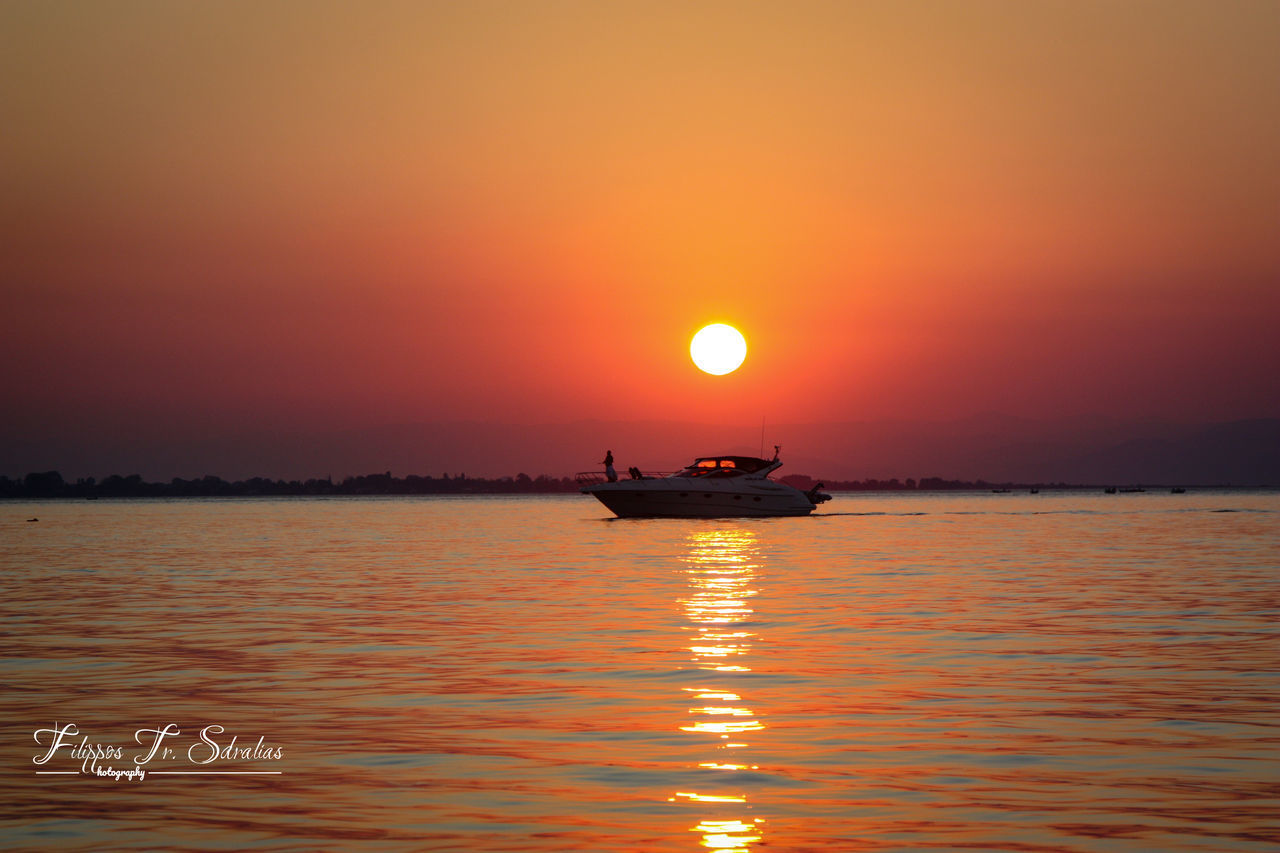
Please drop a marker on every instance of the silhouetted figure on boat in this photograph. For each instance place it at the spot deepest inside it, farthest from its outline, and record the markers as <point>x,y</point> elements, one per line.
<point>608,467</point>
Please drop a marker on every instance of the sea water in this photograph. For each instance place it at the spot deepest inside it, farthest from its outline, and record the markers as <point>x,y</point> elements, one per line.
<point>1065,671</point>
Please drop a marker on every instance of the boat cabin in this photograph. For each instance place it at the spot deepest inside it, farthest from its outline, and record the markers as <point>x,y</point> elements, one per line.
<point>725,466</point>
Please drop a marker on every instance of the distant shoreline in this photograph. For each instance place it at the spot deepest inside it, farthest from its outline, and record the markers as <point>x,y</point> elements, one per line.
<point>50,485</point>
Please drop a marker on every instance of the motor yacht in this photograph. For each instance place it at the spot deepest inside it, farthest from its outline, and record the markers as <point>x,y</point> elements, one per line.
<point>710,487</point>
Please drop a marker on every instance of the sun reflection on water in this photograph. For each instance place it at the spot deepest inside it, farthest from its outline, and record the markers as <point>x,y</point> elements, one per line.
<point>721,569</point>
<point>728,834</point>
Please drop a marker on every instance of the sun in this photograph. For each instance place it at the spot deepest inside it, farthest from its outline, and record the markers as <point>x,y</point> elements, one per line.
<point>718,349</point>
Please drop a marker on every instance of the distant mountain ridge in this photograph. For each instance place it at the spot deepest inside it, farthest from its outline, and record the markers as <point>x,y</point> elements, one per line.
<point>991,447</point>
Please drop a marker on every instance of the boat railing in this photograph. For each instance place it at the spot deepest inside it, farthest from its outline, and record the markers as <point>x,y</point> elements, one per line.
<point>595,478</point>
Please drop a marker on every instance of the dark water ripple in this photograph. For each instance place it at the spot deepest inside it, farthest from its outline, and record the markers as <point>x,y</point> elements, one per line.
<point>995,672</point>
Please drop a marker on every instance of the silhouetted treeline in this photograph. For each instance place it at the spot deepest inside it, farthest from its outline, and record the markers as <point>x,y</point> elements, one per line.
<point>50,484</point>
<point>926,484</point>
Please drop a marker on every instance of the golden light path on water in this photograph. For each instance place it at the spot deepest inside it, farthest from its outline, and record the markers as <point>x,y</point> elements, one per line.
<point>721,569</point>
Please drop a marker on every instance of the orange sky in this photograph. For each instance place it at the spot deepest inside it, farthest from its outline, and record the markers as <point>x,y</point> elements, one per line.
<point>238,215</point>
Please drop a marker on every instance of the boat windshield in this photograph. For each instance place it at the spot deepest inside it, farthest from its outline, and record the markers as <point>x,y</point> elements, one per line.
<point>722,466</point>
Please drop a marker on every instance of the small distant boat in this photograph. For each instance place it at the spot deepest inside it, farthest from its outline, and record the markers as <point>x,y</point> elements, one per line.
<point>1135,489</point>
<point>710,487</point>
<point>1035,491</point>
<point>1178,490</point>
<point>999,491</point>
<point>1111,490</point>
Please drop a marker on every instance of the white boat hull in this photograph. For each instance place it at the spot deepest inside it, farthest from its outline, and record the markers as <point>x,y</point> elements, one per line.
<point>690,498</point>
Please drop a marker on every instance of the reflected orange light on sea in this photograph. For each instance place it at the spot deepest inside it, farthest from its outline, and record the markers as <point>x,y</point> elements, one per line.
<point>1034,672</point>
<point>729,834</point>
<point>720,567</point>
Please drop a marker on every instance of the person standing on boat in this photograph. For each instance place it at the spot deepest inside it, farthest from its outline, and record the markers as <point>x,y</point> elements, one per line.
<point>608,467</point>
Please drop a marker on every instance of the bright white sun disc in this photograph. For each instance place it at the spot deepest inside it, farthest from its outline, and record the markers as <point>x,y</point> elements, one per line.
<point>718,349</point>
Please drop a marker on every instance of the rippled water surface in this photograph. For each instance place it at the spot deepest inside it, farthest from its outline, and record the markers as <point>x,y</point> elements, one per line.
<point>1053,672</point>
